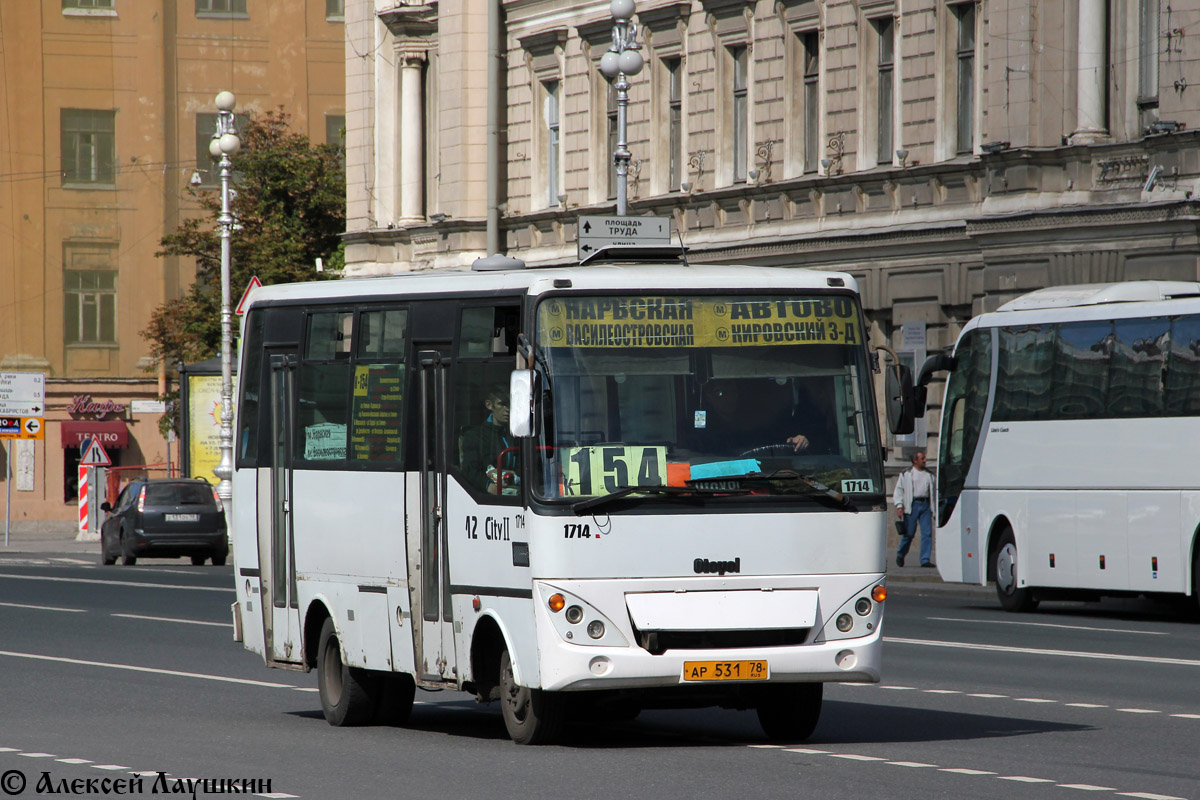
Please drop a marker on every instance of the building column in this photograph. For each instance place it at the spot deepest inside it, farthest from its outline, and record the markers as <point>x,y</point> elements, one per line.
<point>412,137</point>
<point>1091,123</point>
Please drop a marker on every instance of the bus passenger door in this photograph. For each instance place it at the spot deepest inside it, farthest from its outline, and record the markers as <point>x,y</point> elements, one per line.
<point>276,549</point>
<point>435,646</point>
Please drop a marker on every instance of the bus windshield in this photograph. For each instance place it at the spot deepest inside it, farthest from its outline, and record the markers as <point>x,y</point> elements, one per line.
<point>745,396</point>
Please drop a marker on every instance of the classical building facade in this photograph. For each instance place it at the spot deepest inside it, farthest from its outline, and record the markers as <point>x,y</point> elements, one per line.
<point>107,109</point>
<point>949,155</point>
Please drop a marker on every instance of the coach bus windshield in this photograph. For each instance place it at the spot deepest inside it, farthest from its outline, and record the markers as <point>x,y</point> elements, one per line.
<point>727,396</point>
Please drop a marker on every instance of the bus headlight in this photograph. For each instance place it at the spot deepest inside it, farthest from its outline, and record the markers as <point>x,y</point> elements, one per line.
<point>570,615</point>
<point>595,629</point>
<point>574,615</point>
<point>844,623</point>
<point>862,607</point>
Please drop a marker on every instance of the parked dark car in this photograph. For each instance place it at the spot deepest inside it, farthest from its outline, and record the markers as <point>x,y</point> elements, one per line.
<point>164,518</point>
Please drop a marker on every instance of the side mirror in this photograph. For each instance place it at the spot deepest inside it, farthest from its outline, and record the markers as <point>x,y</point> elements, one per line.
<point>522,409</point>
<point>939,363</point>
<point>899,399</point>
<point>105,507</point>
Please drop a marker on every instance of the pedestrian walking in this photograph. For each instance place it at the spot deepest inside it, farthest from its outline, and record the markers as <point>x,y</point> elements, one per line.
<point>915,497</point>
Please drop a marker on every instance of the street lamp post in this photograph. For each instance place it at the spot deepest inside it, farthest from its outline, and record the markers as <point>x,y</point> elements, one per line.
<point>225,143</point>
<point>620,62</point>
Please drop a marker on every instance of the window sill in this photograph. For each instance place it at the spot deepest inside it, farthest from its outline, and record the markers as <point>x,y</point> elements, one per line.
<point>93,346</point>
<point>338,18</point>
<point>89,12</point>
<point>91,187</point>
<point>222,15</point>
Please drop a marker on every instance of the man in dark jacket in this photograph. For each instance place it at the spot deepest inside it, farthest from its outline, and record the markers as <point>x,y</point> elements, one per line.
<point>490,445</point>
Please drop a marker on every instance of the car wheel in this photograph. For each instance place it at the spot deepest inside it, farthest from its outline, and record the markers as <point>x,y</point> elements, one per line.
<point>790,711</point>
<point>532,716</point>
<point>1004,567</point>
<point>106,558</point>
<point>218,559</point>
<point>127,558</point>
<point>197,561</point>
<point>348,694</point>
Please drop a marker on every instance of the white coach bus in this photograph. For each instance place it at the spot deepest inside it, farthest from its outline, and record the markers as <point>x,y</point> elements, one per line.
<point>683,507</point>
<point>1068,460</point>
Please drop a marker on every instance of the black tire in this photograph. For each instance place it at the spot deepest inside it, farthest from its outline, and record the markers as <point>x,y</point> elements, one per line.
<point>106,558</point>
<point>348,694</point>
<point>531,716</point>
<point>127,558</point>
<point>218,559</point>
<point>790,711</point>
<point>396,691</point>
<point>198,561</point>
<point>1004,569</point>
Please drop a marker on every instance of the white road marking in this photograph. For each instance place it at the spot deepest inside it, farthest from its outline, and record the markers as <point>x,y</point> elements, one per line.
<point>1086,705</point>
<point>38,755</point>
<point>1086,787</point>
<point>767,746</point>
<point>1024,779</point>
<point>856,757</point>
<point>279,795</point>
<point>110,767</point>
<point>308,689</point>
<point>1047,625</point>
<point>45,608</point>
<point>965,771</point>
<point>173,619</point>
<point>986,695</point>
<point>900,688</point>
<point>1033,700</point>
<point>910,764</point>
<point>10,749</point>
<point>75,561</point>
<point>1187,716</point>
<point>1149,796</point>
<point>132,668</point>
<point>995,648</point>
<point>806,751</point>
<point>1139,711</point>
<point>138,584</point>
<point>73,760</point>
<point>941,691</point>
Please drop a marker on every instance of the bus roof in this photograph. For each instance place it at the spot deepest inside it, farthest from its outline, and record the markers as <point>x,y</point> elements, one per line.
<point>630,277</point>
<point>1091,294</point>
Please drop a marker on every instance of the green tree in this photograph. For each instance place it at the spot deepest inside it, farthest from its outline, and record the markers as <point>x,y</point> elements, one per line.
<point>289,209</point>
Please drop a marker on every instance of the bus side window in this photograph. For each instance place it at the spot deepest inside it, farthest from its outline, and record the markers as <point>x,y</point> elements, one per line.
<point>250,389</point>
<point>1183,368</point>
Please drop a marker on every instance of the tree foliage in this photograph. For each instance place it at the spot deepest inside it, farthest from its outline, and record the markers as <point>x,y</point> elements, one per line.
<point>289,209</point>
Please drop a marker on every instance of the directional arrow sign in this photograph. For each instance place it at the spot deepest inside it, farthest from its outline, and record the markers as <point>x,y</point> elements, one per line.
<point>596,233</point>
<point>22,394</point>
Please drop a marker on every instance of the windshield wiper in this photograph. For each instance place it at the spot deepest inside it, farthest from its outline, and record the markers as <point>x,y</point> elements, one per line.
<point>685,491</point>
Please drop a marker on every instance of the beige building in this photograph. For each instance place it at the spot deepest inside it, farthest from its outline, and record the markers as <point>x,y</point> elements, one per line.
<point>947,154</point>
<point>105,117</point>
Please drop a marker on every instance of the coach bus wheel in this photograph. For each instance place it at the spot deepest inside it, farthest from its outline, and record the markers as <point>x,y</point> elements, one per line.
<point>531,716</point>
<point>790,711</point>
<point>396,692</point>
<point>347,693</point>
<point>1004,567</point>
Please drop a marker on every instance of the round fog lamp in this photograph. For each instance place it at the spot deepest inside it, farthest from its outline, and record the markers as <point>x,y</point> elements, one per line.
<point>574,614</point>
<point>844,622</point>
<point>595,629</point>
<point>862,607</point>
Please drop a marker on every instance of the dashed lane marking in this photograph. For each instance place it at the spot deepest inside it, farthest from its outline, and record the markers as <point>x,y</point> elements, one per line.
<point>965,771</point>
<point>1023,779</point>
<point>133,668</point>
<point>1086,787</point>
<point>174,619</point>
<point>1139,710</point>
<point>1149,796</point>
<point>111,767</point>
<point>121,584</point>
<point>915,764</point>
<point>1047,625</point>
<point>45,608</point>
<point>73,761</point>
<point>38,755</point>
<point>856,757</point>
<point>1035,651</point>
<point>1033,700</point>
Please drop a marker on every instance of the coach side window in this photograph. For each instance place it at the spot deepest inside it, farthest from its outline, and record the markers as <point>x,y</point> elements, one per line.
<point>1182,394</point>
<point>1025,370</point>
<point>322,410</point>
<point>1135,386</point>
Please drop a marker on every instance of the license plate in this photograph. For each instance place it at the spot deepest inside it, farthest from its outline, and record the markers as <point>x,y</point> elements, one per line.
<point>182,517</point>
<point>725,671</point>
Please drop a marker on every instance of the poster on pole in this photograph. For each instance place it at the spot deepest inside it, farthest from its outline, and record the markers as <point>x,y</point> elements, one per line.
<point>204,425</point>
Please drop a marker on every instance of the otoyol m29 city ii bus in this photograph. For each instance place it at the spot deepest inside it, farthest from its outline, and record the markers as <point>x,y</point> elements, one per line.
<point>651,485</point>
<point>1067,461</point>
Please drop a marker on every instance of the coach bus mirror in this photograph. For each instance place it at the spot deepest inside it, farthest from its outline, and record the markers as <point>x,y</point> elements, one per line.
<point>522,391</point>
<point>936,363</point>
<point>899,400</point>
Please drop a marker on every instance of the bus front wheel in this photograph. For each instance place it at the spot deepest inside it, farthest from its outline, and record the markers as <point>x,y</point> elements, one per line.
<point>348,694</point>
<point>1004,568</point>
<point>789,712</point>
<point>532,716</point>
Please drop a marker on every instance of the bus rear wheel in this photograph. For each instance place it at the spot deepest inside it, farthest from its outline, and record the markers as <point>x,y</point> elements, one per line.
<point>790,712</point>
<point>348,694</point>
<point>1004,568</point>
<point>532,716</point>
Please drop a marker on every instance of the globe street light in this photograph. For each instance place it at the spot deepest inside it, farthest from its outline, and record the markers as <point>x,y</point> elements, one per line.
<point>621,61</point>
<point>225,143</point>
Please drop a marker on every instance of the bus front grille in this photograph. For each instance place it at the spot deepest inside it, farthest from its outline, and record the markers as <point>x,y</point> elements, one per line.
<point>659,642</point>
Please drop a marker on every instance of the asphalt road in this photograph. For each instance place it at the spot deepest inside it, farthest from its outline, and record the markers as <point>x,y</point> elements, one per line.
<point>108,672</point>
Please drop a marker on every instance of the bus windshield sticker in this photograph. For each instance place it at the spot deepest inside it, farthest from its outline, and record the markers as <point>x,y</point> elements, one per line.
<point>325,441</point>
<point>697,322</point>
<point>858,486</point>
<point>603,469</point>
